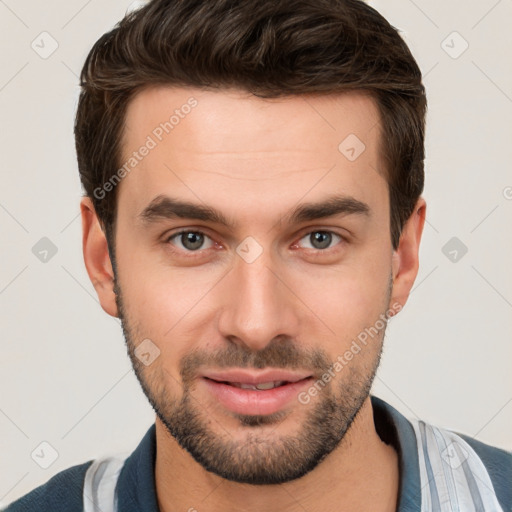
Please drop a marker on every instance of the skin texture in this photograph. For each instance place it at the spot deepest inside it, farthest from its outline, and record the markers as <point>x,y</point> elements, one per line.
<point>296,306</point>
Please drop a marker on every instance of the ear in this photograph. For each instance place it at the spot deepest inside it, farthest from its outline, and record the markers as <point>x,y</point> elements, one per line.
<point>96,257</point>
<point>405,260</point>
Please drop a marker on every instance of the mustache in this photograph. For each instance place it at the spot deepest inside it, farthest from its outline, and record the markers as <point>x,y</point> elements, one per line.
<point>282,354</point>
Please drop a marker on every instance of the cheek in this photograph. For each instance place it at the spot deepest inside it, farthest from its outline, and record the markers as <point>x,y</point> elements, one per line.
<point>156,294</point>
<point>173,309</point>
<point>347,300</point>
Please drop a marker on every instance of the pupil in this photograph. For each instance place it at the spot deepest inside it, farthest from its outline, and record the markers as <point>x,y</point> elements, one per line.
<point>192,240</point>
<point>320,239</point>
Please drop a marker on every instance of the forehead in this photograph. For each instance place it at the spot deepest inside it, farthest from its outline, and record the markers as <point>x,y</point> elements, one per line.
<point>229,147</point>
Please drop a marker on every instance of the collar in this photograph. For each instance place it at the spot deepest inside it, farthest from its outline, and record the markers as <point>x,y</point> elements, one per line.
<point>136,488</point>
<point>395,429</point>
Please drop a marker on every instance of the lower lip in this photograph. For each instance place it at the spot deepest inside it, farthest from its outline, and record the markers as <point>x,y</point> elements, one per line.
<point>253,402</point>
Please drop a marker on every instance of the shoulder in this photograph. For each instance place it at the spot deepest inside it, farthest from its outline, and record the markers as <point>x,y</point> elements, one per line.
<point>440,465</point>
<point>62,493</point>
<point>498,463</point>
<point>456,468</point>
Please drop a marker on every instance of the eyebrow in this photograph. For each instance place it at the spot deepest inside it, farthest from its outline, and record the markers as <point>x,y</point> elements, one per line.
<point>164,207</point>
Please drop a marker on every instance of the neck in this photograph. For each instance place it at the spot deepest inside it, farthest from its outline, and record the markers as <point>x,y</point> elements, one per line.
<point>360,474</point>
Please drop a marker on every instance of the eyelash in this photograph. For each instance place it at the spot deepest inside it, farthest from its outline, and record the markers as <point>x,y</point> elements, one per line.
<point>200,252</point>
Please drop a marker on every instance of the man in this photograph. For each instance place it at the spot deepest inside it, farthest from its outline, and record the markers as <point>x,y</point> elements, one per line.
<point>253,213</point>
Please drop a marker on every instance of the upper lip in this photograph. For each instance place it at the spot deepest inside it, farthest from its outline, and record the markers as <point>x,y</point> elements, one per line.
<point>255,377</point>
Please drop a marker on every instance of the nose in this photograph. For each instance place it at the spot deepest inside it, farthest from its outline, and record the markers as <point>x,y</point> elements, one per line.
<point>258,304</point>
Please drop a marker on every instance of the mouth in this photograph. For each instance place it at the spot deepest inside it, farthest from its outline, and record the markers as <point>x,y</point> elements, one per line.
<point>262,379</point>
<point>255,393</point>
<point>261,386</point>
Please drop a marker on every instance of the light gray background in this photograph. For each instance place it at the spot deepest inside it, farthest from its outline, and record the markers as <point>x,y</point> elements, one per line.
<point>65,378</point>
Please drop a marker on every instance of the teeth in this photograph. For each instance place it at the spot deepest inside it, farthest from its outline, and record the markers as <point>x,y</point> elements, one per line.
<point>266,385</point>
<point>244,386</point>
<point>261,386</point>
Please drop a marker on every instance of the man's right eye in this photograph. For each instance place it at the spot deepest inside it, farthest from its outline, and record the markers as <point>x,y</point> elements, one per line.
<point>190,241</point>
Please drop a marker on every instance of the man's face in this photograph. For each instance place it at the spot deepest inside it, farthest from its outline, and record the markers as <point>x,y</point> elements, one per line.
<point>266,290</point>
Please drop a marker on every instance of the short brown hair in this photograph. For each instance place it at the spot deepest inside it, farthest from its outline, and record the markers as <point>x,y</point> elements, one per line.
<point>270,48</point>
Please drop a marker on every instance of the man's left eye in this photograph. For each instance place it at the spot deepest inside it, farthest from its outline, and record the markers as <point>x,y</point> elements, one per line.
<point>320,239</point>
